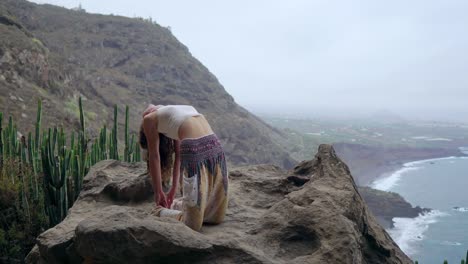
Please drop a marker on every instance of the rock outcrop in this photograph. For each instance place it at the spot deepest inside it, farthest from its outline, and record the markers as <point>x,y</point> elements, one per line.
<point>387,205</point>
<point>313,214</point>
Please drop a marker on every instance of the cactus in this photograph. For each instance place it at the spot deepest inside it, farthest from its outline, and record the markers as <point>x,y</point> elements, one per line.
<point>38,123</point>
<point>114,147</point>
<point>1,140</point>
<point>126,150</point>
<point>55,161</point>
<point>137,152</point>
<point>103,143</point>
<point>62,165</point>
<point>82,120</point>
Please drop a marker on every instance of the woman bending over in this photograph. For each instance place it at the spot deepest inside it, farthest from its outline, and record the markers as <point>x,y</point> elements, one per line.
<point>198,156</point>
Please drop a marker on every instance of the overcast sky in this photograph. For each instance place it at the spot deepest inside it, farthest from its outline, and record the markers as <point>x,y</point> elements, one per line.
<point>410,57</point>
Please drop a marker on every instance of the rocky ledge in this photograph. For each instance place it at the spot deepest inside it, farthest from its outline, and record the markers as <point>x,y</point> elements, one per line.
<point>313,214</point>
<point>387,205</point>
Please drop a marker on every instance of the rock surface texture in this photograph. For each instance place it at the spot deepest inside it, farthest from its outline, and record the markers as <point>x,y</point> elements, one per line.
<point>313,214</point>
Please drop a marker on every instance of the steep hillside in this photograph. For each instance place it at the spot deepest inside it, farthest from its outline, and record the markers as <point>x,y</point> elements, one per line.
<point>57,54</point>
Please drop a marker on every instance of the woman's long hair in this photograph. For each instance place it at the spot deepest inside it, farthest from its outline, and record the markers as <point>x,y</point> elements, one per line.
<point>166,154</point>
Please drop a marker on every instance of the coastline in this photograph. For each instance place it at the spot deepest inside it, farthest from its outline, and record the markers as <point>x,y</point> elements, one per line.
<point>411,233</point>
<point>388,180</point>
<point>369,163</point>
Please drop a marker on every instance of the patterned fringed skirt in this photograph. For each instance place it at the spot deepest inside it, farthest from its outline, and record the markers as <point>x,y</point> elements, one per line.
<point>205,182</point>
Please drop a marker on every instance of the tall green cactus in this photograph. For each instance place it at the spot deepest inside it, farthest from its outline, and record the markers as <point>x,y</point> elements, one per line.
<point>38,124</point>
<point>114,145</point>
<point>103,143</point>
<point>1,140</point>
<point>34,149</point>
<point>62,165</point>
<point>56,163</point>
<point>137,153</point>
<point>82,120</point>
<point>127,146</point>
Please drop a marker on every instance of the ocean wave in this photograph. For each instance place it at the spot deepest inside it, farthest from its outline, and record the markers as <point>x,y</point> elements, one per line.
<point>385,184</point>
<point>408,231</point>
<point>464,150</point>
<point>419,162</point>
<point>450,243</point>
<point>460,209</point>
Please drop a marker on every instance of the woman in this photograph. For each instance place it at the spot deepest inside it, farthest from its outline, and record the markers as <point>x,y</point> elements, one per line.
<point>198,156</point>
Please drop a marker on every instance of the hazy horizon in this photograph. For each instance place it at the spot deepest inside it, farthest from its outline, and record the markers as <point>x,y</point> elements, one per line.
<point>323,56</point>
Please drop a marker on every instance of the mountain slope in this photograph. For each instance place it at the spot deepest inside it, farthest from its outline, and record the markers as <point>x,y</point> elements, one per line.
<point>57,55</point>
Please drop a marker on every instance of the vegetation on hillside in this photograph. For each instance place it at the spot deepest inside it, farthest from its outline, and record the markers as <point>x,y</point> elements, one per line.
<point>41,176</point>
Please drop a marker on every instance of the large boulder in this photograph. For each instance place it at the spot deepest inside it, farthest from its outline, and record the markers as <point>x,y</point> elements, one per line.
<point>313,214</point>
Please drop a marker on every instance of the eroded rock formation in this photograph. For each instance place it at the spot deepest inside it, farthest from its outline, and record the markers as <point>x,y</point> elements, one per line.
<point>272,218</point>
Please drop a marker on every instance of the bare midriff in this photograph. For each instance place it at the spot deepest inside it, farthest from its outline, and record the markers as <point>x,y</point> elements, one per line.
<point>194,127</point>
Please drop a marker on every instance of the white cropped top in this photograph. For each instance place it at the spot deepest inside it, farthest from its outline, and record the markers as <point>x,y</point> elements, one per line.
<point>170,117</point>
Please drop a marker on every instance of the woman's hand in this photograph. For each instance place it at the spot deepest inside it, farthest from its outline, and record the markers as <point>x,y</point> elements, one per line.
<point>161,199</point>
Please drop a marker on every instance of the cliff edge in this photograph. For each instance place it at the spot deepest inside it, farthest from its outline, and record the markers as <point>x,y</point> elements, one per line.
<point>313,214</point>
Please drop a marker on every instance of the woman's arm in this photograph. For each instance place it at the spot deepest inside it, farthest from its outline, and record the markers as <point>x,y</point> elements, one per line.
<point>152,136</point>
<point>175,173</point>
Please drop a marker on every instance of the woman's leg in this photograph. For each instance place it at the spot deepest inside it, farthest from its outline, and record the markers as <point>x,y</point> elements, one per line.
<point>195,199</point>
<point>217,201</point>
<point>193,202</point>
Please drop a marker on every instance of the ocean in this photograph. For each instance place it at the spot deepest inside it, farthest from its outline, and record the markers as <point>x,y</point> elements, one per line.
<point>439,184</point>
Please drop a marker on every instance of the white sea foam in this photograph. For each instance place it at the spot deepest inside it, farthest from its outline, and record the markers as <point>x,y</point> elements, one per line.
<point>426,138</point>
<point>438,139</point>
<point>460,209</point>
<point>419,162</point>
<point>408,231</point>
<point>385,184</point>
<point>464,150</point>
<point>450,243</point>
<point>420,137</point>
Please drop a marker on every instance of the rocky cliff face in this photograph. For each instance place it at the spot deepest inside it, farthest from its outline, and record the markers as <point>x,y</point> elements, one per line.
<point>56,55</point>
<point>388,205</point>
<point>313,214</point>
